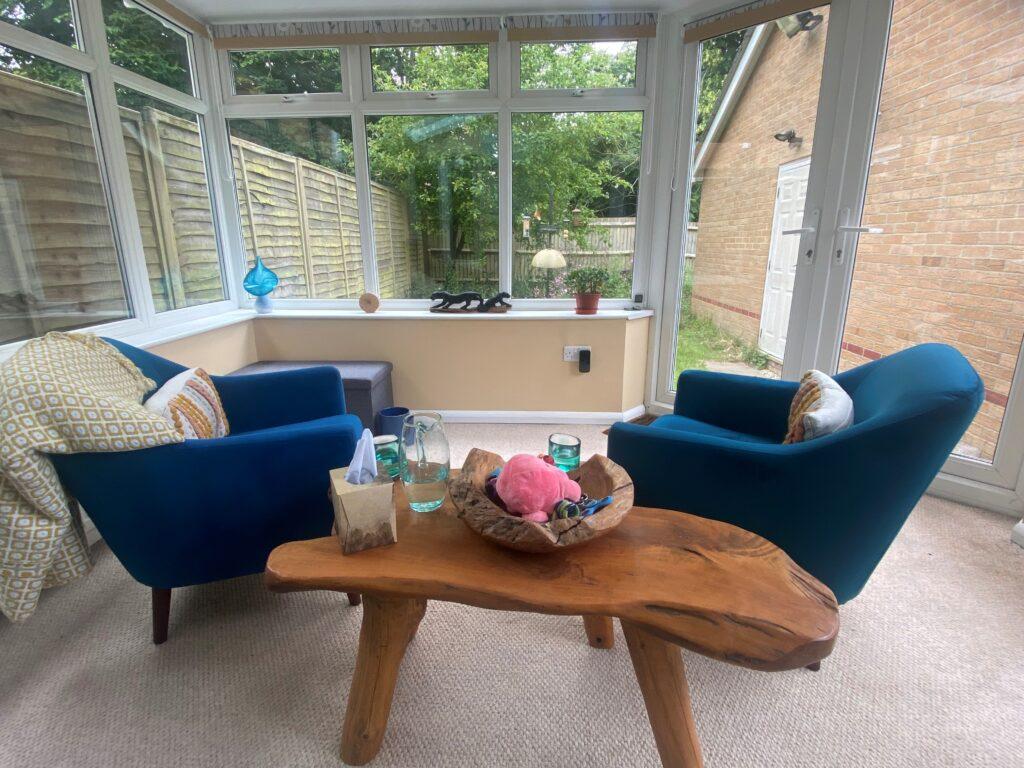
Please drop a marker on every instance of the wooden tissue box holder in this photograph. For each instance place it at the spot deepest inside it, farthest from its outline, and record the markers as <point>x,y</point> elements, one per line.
<point>364,515</point>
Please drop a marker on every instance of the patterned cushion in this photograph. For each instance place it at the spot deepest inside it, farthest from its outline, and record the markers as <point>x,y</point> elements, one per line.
<point>820,407</point>
<point>190,401</point>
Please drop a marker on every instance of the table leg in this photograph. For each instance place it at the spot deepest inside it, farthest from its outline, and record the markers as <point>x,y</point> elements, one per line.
<point>388,626</point>
<point>600,633</point>
<point>659,671</point>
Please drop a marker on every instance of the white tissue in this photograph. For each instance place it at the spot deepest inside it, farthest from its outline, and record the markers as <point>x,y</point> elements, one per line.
<point>363,467</point>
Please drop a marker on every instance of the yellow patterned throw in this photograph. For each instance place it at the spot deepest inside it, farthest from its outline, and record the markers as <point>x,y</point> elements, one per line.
<point>191,402</point>
<point>62,393</point>
<point>820,407</point>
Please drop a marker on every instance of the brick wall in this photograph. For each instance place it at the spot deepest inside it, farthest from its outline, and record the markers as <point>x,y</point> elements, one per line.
<point>946,184</point>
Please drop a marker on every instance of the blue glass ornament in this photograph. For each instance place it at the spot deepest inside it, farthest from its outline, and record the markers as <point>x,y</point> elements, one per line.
<point>260,280</point>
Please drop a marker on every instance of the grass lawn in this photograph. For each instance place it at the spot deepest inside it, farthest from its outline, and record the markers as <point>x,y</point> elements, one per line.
<point>700,341</point>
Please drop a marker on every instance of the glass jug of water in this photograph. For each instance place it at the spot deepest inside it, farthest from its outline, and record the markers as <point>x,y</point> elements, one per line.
<point>425,460</point>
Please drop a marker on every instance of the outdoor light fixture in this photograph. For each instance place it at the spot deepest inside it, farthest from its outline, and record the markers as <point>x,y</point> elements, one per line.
<point>789,137</point>
<point>548,259</point>
<point>796,23</point>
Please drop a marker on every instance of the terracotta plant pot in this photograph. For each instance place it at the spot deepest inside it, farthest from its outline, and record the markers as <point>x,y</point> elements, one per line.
<point>586,303</point>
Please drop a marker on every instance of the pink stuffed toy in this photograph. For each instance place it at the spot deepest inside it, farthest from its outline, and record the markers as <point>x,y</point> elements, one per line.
<point>530,487</point>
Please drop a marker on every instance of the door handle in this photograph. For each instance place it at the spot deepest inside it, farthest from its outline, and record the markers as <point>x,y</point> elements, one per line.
<point>800,231</point>
<point>843,231</point>
<point>863,230</point>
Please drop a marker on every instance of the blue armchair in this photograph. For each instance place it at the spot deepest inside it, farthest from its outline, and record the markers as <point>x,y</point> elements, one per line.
<point>834,504</point>
<point>206,510</point>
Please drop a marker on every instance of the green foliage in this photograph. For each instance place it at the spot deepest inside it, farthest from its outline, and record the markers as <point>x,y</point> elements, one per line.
<point>716,59</point>
<point>304,70</point>
<point>576,65</point>
<point>430,68</point>
<point>137,41</point>
<point>588,279</point>
<point>700,341</point>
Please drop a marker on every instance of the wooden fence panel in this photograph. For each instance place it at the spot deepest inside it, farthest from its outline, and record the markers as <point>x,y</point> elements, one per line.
<point>57,250</point>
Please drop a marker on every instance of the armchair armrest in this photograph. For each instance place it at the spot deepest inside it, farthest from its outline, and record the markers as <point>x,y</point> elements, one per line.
<point>742,403</point>
<point>205,510</point>
<point>265,400</point>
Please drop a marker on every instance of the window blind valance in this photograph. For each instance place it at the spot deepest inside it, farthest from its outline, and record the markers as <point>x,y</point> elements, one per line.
<point>475,29</point>
<point>469,29</point>
<point>744,16</point>
<point>581,26</point>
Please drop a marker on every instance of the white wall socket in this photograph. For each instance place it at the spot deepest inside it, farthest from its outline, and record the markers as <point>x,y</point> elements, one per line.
<point>572,354</point>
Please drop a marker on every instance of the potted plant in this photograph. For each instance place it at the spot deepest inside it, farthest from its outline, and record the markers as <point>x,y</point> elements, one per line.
<point>587,283</point>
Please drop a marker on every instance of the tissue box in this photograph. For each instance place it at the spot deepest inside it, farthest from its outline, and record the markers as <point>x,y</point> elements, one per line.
<point>364,515</point>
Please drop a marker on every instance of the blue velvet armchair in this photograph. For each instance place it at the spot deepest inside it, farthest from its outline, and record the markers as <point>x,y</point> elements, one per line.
<point>834,504</point>
<point>206,510</point>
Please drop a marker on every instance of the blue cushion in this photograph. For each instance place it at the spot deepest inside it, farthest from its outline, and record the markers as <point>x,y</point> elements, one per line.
<point>684,424</point>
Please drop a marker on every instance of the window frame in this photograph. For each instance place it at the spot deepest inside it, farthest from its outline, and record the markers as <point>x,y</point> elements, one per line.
<point>359,102</point>
<point>397,97</point>
<point>227,79</point>
<point>638,89</point>
<point>92,59</point>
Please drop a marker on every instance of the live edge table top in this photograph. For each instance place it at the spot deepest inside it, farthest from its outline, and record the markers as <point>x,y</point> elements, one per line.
<point>708,586</point>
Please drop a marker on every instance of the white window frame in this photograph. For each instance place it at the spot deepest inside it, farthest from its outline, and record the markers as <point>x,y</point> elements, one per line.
<point>581,93</point>
<point>227,79</point>
<point>398,97</point>
<point>360,103</point>
<point>92,59</point>
<point>844,132</point>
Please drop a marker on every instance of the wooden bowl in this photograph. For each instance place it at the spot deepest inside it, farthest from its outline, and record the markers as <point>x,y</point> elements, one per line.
<point>598,477</point>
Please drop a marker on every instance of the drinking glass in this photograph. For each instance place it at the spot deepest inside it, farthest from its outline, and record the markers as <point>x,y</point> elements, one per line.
<point>385,447</point>
<point>425,460</point>
<point>565,450</point>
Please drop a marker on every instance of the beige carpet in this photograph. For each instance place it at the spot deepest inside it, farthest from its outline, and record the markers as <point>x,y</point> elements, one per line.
<point>928,671</point>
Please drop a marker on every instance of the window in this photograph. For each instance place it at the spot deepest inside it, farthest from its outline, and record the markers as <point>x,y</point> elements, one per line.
<point>58,261</point>
<point>575,177</point>
<point>303,70</point>
<point>49,18</point>
<point>164,145</point>
<point>434,200</point>
<point>296,188</point>
<point>147,45</point>
<point>571,65</point>
<point>430,68</point>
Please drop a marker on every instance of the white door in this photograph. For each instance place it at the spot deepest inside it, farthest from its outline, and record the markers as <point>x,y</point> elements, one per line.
<point>790,194</point>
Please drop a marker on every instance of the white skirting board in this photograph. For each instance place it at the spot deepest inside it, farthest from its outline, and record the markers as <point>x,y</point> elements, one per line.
<point>1017,537</point>
<point>542,417</point>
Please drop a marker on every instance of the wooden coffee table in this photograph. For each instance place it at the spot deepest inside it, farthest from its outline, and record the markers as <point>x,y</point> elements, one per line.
<point>672,580</point>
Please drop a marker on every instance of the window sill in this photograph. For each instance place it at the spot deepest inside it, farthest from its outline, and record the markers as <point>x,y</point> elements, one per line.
<point>422,314</point>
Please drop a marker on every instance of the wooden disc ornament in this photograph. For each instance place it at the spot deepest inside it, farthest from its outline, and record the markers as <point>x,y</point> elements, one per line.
<point>369,303</point>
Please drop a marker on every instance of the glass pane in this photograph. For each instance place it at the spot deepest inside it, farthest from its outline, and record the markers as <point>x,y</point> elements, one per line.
<point>608,64</point>
<point>752,155</point>
<point>49,18</point>
<point>168,169</point>
<point>305,70</point>
<point>58,263</point>
<point>434,203</point>
<point>147,45</point>
<point>575,177</point>
<point>946,185</point>
<point>296,190</point>
<point>429,68</point>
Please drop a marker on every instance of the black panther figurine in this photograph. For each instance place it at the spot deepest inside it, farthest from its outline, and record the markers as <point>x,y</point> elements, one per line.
<point>448,300</point>
<point>494,301</point>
